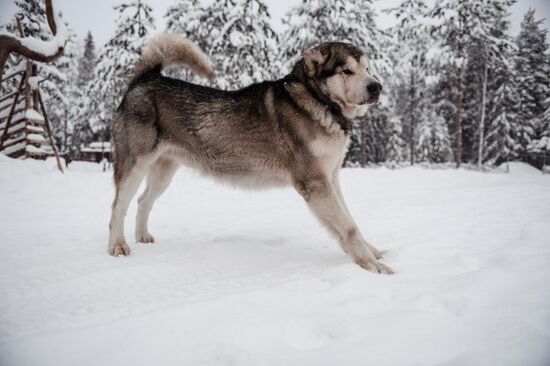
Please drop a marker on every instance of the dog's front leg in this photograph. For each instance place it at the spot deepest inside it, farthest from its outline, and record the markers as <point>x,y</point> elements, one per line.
<point>336,182</point>
<point>322,198</point>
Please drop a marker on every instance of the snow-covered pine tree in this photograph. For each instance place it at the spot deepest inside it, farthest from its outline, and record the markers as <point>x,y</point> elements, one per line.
<point>395,145</point>
<point>432,136</point>
<point>315,21</point>
<point>212,19</point>
<point>87,61</point>
<point>375,134</point>
<point>533,81</point>
<point>501,141</point>
<point>134,25</point>
<point>241,44</point>
<point>186,17</point>
<point>540,147</point>
<point>63,91</point>
<point>408,81</point>
<point>484,54</point>
<point>461,23</point>
<point>81,112</point>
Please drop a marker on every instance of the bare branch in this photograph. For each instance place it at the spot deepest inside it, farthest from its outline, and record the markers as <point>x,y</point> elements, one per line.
<point>10,44</point>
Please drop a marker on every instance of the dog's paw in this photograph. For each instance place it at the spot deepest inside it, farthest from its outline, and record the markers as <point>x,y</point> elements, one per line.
<point>379,254</point>
<point>374,266</point>
<point>145,238</point>
<point>119,249</point>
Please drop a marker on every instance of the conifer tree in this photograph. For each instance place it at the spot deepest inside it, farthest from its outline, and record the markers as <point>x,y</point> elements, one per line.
<point>315,21</point>
<point>410,67</point>
<point>135,24</point>
<point>87,61</point>
<point>244,47</point>
<point>502,143</point>
<point>81,113</point>
<point>533,81</point>
<point>433,143</point>
<point>461,23</point>
<point>186,17</point>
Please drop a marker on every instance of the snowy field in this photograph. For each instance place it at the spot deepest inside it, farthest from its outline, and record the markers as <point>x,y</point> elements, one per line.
<point>250,278</point>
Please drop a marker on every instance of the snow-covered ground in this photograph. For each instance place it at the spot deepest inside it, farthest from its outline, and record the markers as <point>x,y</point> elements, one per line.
<point>250,278</point>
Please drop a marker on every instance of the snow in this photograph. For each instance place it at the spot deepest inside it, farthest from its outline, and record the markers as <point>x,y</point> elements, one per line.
<point>47,47</point>
<point>543,144</point>
<point>34,150</point>
<point>249,278</point>
<point>35,128</point>
<point>34,80</point>
<point>106,145</point>
<point>9,102</point>
<point>34,115</point>
<point>35,137</point>
<point>11,149</point>
<point>15,119</point>
<point>6,112</point>
<point>14,127</point>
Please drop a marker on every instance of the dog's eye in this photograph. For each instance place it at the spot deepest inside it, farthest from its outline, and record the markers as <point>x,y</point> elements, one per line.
<point>348,72</point>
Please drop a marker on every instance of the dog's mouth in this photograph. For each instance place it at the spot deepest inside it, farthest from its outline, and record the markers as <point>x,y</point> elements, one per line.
<point>371,100</point>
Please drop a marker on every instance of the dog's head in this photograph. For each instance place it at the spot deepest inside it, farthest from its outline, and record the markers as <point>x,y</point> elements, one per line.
<point>340,73</point>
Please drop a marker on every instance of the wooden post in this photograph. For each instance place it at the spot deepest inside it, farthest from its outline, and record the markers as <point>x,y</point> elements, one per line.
<point>13,106</point>
<point>48,128</point>
<point>34,72</point>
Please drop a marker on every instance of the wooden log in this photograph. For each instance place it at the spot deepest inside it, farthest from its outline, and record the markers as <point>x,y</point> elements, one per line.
<point>8,96</point>
<point>13,74</point>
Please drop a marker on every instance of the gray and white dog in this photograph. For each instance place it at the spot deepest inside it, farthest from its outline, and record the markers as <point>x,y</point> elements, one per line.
<point>291,131</point>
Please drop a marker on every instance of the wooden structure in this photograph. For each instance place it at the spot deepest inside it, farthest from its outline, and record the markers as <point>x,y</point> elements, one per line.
<point>96,152</point>
<point>24,125</point>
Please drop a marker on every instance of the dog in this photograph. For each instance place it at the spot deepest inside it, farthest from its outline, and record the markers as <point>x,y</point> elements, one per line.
<point>288,132</point>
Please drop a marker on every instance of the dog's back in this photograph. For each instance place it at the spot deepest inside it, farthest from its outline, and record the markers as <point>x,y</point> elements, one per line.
<point>231,135</point>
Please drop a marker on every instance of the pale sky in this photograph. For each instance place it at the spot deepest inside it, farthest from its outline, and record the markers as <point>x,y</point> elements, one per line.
<point>99,16</point>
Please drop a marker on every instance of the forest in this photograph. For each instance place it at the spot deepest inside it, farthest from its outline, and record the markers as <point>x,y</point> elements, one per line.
<point>459,86</point>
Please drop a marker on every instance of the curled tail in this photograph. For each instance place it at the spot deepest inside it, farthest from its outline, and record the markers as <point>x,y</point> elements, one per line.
<point>171,49</point>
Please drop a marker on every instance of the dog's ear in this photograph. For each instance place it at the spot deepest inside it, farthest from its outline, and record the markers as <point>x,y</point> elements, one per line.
<point>314,61</point>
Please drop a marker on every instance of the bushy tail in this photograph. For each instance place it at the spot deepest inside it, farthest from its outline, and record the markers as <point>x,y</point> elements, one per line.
<point>171,49</point>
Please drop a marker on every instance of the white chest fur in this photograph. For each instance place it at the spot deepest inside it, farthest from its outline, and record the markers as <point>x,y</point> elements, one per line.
<point>329,149</point>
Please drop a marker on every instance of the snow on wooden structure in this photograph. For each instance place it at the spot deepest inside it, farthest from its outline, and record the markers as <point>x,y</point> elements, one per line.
<point>24,124</point>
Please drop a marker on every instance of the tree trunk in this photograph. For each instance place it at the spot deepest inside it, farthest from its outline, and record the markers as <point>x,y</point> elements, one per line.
<point>459,118</point>
<point>65,132</point>
<point>363,143</point>
<point>482,120</point>
<point>412,94</point>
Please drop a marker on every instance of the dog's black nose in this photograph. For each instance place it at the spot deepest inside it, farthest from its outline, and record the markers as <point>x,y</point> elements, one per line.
<point>374,88</point>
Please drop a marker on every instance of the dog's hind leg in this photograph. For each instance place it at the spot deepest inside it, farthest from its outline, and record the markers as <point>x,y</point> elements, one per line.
<point>126,188</point>
<point>160,175</point>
